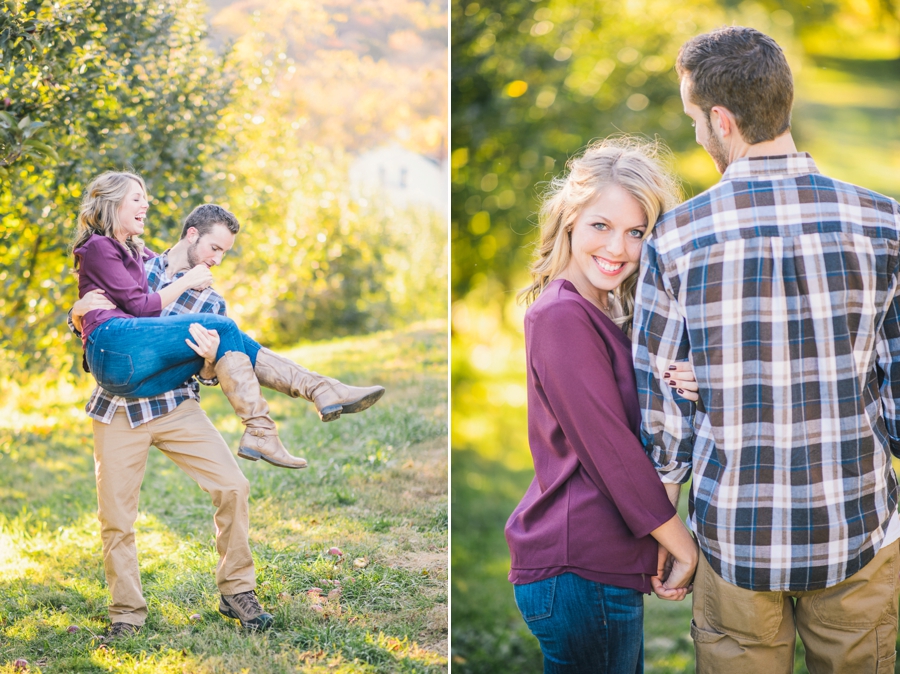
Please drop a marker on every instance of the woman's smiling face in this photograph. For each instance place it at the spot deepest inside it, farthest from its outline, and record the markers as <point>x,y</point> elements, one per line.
<point>606,243</point>
<point>131,212</point>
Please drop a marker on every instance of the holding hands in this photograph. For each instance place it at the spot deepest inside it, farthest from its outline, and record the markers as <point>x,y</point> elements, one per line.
<point>674,578</point>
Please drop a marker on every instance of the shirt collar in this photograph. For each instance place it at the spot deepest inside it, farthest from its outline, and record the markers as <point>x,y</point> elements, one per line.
<point>164,261</point>
<point>769,168</point>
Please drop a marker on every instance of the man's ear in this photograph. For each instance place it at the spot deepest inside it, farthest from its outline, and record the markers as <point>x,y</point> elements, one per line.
<point>192,235</point>
<point>723,120</point>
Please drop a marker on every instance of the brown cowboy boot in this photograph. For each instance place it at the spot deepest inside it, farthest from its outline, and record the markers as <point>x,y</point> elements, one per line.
<point>260,439</point>
<point>331,397</point>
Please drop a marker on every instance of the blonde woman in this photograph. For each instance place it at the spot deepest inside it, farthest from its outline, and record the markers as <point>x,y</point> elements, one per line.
<point>134,352</point>
<point>584,539</point>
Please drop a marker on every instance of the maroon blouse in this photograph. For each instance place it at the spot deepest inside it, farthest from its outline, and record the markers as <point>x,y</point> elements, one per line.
<point>105,263</point>
<point>595,496</point>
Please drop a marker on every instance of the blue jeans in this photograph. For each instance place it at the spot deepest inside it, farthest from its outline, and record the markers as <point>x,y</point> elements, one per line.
<point>145,357</point>
<point>584,627</point>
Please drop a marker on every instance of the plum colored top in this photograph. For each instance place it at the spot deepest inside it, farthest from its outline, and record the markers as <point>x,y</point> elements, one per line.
<point>105,263</point>
<point>595,496</point>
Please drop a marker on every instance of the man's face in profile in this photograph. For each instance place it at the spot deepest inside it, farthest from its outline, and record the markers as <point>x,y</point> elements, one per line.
<point>210,248</point>
<point>704,134</point>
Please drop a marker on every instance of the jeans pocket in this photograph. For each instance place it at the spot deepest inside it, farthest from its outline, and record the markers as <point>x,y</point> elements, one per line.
<point>110,369</point>
<point>535,600</point>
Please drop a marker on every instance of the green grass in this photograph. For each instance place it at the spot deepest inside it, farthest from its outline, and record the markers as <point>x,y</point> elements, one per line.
<point>376,488</point>
<point>846,117</point>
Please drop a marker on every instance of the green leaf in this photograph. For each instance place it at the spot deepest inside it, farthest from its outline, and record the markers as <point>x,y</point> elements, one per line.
<point>25,121</point>
<point>33,128</point>
<point>42,148</point>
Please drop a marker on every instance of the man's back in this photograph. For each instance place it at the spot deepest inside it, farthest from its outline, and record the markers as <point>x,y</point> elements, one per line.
<point>780,283</point>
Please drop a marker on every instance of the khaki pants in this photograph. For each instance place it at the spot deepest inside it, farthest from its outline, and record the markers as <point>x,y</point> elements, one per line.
<point>849,628</point>
<point>186,436</point>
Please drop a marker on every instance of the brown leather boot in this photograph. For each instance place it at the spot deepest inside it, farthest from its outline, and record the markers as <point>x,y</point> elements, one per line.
<point>331,397</point>
<point>260,439</point>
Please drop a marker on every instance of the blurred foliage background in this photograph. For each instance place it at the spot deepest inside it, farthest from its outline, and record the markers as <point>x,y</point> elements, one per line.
<point>531,83</point>
<point>258,105</point>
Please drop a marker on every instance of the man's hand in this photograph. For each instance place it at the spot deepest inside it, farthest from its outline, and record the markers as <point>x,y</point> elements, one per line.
<point>207,342</point>
<point>95,299</point>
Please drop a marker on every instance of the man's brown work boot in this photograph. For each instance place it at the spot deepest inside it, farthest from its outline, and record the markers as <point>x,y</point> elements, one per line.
<point>331,397</point>
<point>260,440</point>
<point>121,630</point>
<point>245,607</point>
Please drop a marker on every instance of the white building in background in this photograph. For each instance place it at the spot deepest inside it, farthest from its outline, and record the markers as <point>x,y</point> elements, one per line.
<point>398,176</point>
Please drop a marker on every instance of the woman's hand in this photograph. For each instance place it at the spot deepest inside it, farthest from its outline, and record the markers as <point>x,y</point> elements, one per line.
<point>207,343</point>
<point>664,584</point>
<point>677,561</point>
<point>95,299</point>
<point>198,278</point>
<point>680,377</point>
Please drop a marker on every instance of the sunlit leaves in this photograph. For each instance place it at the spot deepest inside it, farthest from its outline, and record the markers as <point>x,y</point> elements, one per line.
<point>87,87</point>
<point>534,82</point>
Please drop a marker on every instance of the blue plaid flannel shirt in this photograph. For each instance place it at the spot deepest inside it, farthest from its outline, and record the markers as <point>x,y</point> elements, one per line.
<point>103,405</point>
<point>783,288</point>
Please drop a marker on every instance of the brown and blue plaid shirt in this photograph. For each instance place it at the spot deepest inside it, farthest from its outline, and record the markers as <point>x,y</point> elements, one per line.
<point>781,285</point>
<point>102,404</point>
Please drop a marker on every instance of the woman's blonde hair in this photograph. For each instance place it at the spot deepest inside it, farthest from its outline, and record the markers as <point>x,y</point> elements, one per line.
<point>99,212</point>
<point>635,165</point>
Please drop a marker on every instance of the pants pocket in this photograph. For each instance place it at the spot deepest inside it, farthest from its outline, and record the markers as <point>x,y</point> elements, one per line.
<point>742,614</point>
<point>886,637</point>
<point>702,636</point>
<point>535,600</point>
<point>864,599</point>
<point>111,369</point>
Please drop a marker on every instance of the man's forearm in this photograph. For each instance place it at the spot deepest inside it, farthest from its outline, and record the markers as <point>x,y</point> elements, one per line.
<point>208,371</point>
<point>673,491</point>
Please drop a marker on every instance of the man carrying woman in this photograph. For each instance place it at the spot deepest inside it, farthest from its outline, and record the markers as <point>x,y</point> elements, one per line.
<point>134,351</point>
<point>125,428</point>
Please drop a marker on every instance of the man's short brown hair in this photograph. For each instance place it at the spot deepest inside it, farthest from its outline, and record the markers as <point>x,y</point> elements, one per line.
<point>744,71</point>
<point>206,216</point>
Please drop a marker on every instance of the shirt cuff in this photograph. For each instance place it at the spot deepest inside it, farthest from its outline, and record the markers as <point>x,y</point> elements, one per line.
<point>895,445</point>
<point>674,472</point>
